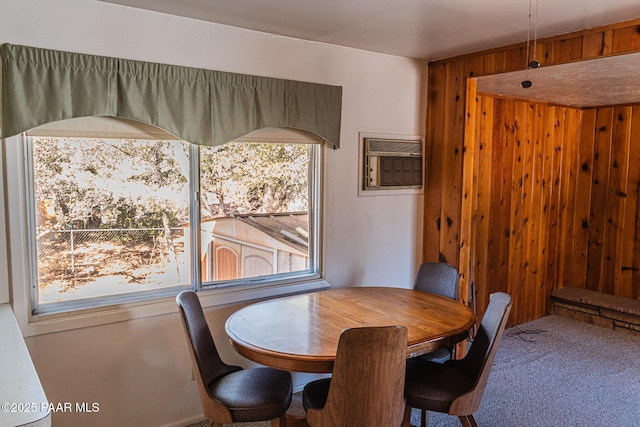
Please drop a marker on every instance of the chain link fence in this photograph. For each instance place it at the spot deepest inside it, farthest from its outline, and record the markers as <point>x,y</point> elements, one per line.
<point>80,255</point>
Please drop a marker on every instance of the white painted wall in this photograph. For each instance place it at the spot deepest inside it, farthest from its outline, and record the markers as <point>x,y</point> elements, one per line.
<point>138,370</point>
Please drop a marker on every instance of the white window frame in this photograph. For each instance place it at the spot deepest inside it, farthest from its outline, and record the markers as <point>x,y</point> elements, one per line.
<point>16,198</point>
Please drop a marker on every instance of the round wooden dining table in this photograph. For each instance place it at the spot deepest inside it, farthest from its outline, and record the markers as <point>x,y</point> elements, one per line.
<point>301,332</point>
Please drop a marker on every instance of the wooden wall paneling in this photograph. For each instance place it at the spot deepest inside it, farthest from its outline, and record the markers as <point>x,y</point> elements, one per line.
<point>454,118</point>
<point>616,199</point>
<point>545,286</point>
<point>560,200</point>
<point>516,59</point>
<point>500,203</point>
<point>537,218</point>
<point>597,44</point>
<point>474,66</point>
<point>499,207</point>
<point>494,62</point>
<point>568,194</point>
<point>433,163</point>
<point>564,214</point>
<point>444,178</point>
<point>567,49</point>
<point>482,255</point>
<point>543,52</point>
<point>630,276</point>
<point>626,39</point>
<point>516,242</point>
<point>469,184</point>
<point>584,179</point>
<point>529,212</point>
<point>554,252</point>
<point>599,192</point>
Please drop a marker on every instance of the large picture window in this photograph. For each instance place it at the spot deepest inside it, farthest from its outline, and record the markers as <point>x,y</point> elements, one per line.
<point>121,219</point>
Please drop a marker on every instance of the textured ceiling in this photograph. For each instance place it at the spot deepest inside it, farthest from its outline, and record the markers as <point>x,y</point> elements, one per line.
<point>599,82</point>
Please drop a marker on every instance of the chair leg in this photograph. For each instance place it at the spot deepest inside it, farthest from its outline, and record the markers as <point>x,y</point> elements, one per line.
<point>279,422</point>
<point>406,421</point>
<point>468,421</point>
<point>424,418</point>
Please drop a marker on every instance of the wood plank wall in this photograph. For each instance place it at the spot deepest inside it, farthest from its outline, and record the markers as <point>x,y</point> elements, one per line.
<point>532,197</point>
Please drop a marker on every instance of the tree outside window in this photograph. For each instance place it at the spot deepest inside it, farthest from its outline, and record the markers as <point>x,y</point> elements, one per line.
<point>112,216</point>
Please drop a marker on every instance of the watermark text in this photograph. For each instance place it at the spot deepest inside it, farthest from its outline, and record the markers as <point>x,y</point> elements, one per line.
<point>23,407</point>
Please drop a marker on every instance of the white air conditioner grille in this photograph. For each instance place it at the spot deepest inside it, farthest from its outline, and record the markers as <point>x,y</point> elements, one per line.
<point>394,146</point>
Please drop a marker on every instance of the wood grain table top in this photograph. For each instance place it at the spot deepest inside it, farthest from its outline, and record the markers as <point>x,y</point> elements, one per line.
<point>300,333</point>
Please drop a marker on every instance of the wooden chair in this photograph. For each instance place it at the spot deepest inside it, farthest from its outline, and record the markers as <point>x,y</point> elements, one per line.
<point>367,384</point>
<point>441,279</point>
<point>456,386</point>
<point>230,394</point>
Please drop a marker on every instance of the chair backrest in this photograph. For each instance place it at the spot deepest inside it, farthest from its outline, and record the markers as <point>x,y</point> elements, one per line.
<point>438,278</point>
<point>479,359</point>
<point>367,386</point>
<point>205,358</point>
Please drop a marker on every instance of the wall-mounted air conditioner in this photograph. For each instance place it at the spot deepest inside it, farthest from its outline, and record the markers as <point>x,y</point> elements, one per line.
<point>391,164</point>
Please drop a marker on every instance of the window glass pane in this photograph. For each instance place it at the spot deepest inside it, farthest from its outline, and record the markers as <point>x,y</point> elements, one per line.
<point>111,216</point>
<point>255,204</point>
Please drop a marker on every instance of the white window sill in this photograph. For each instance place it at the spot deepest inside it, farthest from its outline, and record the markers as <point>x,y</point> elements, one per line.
<point>49,323</point>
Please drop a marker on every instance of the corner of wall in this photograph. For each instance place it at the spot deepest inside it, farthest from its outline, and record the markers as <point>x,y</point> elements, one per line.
<point>4,254</point>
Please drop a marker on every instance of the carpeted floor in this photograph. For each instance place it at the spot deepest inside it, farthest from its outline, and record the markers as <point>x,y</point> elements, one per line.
<point>558,372</point>
<point>554,372</point>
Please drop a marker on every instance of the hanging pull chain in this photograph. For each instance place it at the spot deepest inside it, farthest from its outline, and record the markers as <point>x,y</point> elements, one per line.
<point>534,63</point>
<point>526,83</point>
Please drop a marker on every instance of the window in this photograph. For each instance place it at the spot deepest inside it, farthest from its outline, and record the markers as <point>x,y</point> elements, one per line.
<point>122,219</point>
<point>254,204</point>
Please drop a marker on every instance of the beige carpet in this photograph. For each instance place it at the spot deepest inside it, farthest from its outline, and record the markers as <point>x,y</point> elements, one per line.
<point>559,372</point>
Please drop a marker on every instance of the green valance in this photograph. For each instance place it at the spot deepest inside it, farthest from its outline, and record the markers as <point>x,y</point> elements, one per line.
<point>201,106</point>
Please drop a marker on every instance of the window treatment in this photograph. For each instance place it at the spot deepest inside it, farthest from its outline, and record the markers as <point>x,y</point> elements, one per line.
<point>201,106</point>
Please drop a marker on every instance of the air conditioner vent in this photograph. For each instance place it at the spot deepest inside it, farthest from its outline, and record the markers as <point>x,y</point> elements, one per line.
<point>395,146</point>
<point>392,164</point>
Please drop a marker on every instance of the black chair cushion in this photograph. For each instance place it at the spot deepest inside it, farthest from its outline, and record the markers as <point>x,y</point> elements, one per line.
<point>254,394</point>
<point>440,355</point>
<point>434,386</point>
<point>315,394</point>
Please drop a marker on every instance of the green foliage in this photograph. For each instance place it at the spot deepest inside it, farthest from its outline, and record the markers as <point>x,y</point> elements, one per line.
<point>116,183</point>
<point>109,183</point>
<point>254,178</point>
